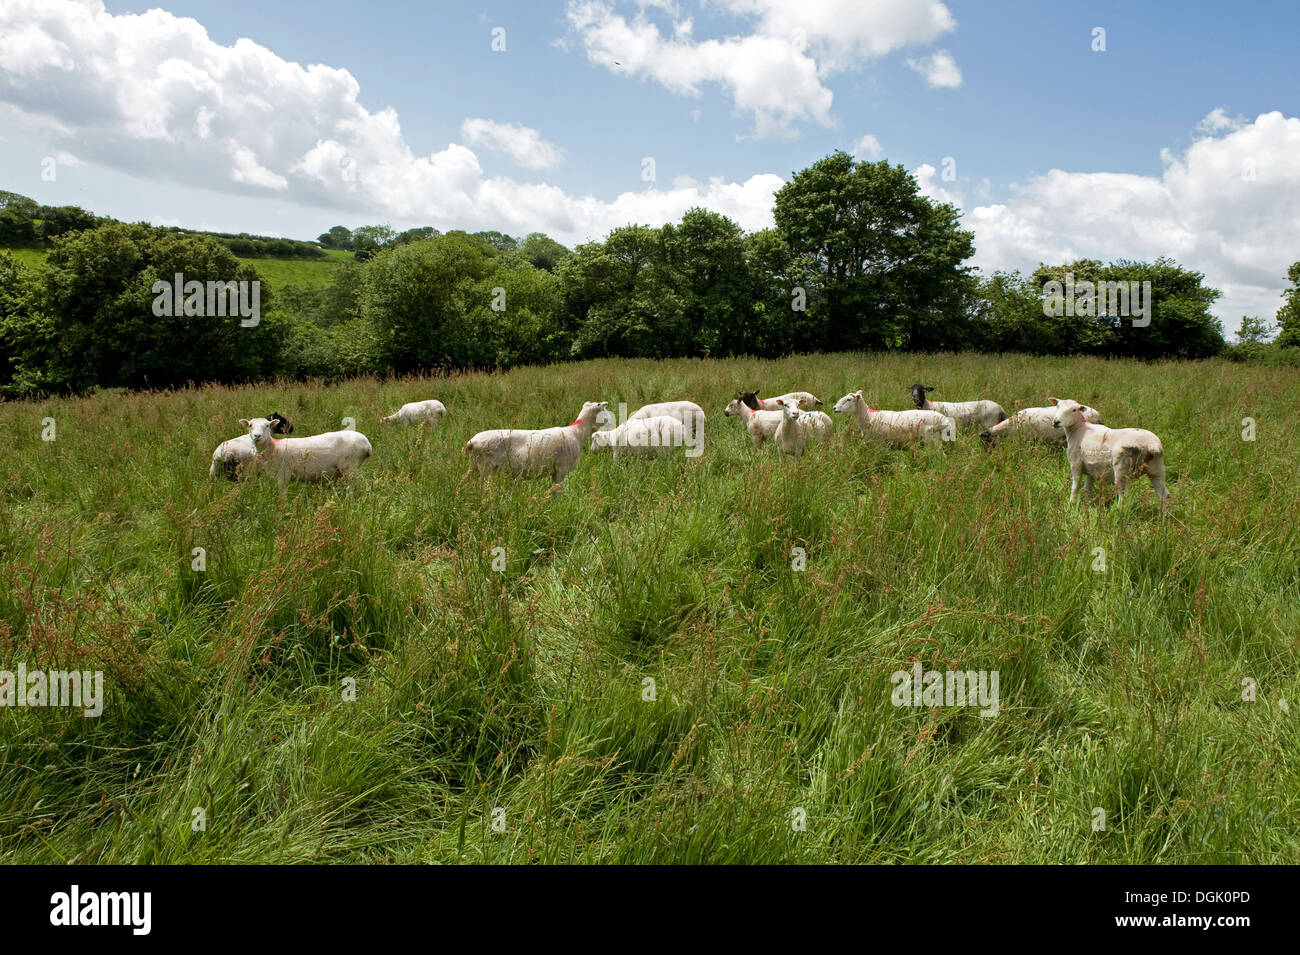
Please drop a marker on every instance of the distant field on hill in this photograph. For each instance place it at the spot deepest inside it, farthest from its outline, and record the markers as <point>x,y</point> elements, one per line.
<point>300,273</point>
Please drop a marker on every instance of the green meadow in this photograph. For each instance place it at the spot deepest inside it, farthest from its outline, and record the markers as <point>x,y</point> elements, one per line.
<point>673,660</point>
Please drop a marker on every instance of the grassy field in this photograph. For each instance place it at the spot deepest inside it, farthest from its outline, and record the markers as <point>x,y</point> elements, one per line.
<point>300,273</point>
<point>506,716</point>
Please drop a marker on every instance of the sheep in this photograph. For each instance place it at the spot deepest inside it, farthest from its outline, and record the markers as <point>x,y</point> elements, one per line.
<point>984,413</point>
<point>898,427</point>
<point>647,436</point>
<point>553,451</point>
<point>805,400</point>
<point>760,424</point>
<point>792,433</point>
<point>1036,423</point>
<point>1096,451</point>
<point>820,425</point>
<point>420,413</point>
<point>322,457</point>
<point>232,457</point>
<point>688,413</point>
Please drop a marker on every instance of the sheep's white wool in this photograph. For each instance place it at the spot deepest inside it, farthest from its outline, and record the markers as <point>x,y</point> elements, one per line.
<point>658,435</point>
<point>983,412</point>
<point>429,412</point>
<point>553,451</point>
<point>688,413</point>
<point>897,427</point>
<point>820,425</point>
<point>804,399</point>
<point>1096,451</point>
<point>791,435</point>
<point>1035,423</point>
<point>232,457</point>
<point>322,457</point>
<point>760,424</point>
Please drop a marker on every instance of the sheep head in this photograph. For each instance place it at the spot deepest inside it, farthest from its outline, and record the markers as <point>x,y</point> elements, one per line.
<point>1068,414</point>
<point>848,402</point>
<point>261,430</point>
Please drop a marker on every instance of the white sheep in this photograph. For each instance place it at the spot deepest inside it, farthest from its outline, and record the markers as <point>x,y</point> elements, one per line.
<point>232,457</point>
<point>898,427</point>
<point>761,425</point>
<point>322,457</point>
<point>805,401</point>
<point>429,412</point>
<point>655,435</point>
<point>820,425</point>
<point>1096,451</point>
<point>984,413</point>
<point>791,435</point>
<point>1036,423</point>
<point>524,453</point>
<point>688,413</point>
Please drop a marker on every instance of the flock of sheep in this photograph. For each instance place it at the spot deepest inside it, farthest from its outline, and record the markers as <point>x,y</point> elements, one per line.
<point>791,421</point>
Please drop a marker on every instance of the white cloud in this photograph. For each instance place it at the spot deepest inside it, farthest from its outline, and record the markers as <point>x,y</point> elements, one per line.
<point>525,146</point>
<point>939,69</point>
<point>1228,207</point>
<point>868,147</point>
<point>1218,120</point>
<point>930,188</point>
<point>154,96</point>
<point>777,71</point>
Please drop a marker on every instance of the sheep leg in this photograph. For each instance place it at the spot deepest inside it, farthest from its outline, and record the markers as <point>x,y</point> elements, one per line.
<point>1074,485</point>
<point>1156,469</point>
<point>1123,474</point>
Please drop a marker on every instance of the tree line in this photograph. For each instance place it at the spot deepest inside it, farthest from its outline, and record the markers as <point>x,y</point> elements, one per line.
<point>857,258</point>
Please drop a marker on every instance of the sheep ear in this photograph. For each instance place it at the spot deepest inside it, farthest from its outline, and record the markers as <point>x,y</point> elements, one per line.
<point>245,422</point>
<point>1054,400</point>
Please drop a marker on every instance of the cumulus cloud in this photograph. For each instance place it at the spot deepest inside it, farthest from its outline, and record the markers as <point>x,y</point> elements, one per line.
<point>939,69</point>
<point>525,146</point>
<point>1227,206</point>
<point>777,71</point>
<point>152,95</point>
<point>868,147</point>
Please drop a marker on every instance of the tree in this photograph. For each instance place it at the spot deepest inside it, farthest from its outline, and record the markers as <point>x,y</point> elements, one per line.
<point>99,291</point>
<point>419,298</point>
<point>703,266</point>
<point>1253,331</point>
<point>338,237</point>
<point>1009,317</point>
<point>26,330</point>
<point>614,300</point>
<point>887,261</point>
<point>1177,322</point>
<point>499,241</point>
<point>785,307</point>
<point>367,240</point>
<point>542,251</point>
<point>416,235</point>
<point>59,220</point>
<point>1288,316</point>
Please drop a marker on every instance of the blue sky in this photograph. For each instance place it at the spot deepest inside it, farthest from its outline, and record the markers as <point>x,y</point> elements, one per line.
<point>1180,138</point>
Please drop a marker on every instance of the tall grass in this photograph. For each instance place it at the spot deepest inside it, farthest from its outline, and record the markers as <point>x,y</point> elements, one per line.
<point>649,679</point>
